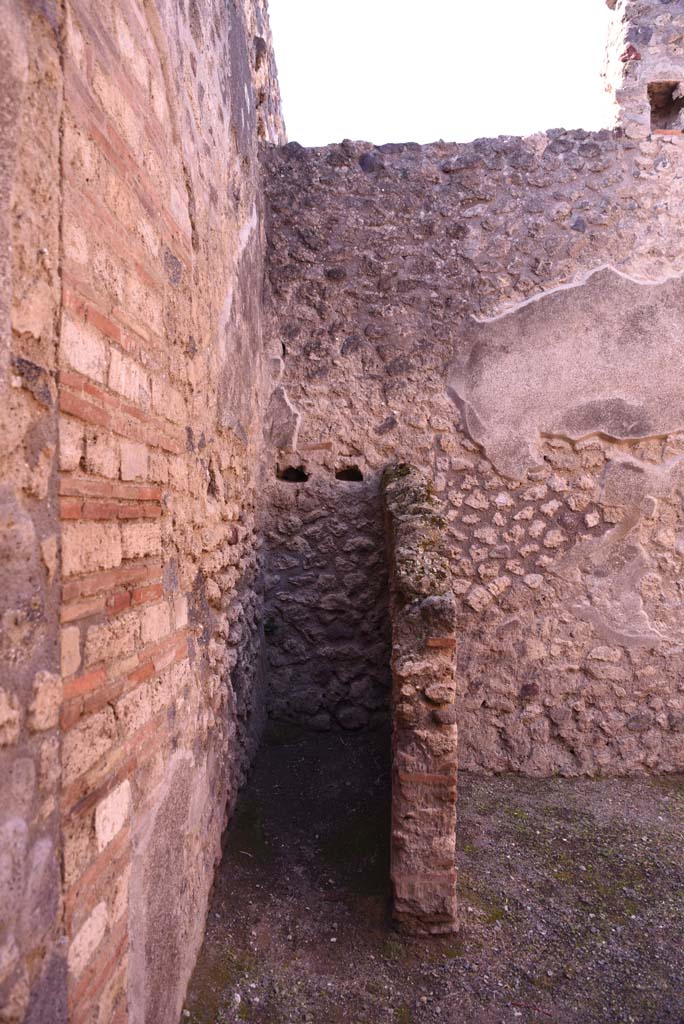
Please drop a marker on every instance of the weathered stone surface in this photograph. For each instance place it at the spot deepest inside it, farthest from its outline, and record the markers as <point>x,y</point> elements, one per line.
<point>560,367</point>
<point>112,813</point>
<point>505,315</point>
<point>424,741</point>
<point>198,471</point>
<point>31,945</point>
<point>131,262</point>
<point>327,632</point>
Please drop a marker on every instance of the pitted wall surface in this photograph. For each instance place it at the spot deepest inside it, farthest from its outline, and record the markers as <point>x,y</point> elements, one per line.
<point>32,947</point>
<point>600,359</point>
<point>507,315</point>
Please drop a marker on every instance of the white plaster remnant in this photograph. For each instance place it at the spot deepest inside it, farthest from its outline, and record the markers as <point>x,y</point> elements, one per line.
<point>112,813</point>
<point>87,939</point>
<point>598,359</point>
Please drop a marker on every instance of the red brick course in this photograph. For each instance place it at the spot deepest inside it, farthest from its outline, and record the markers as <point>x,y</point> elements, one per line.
<point>120,416</point>
<point>89,693</point>
<point>97,582</point>
<point>84,995</point>
<point>86,892</point>
<point>130,262</point>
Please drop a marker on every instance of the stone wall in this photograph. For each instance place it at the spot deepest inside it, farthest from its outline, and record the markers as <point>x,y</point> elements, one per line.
<point>130,175</point>
<point>645,51</point>
<point>32,950</point>
<point>424,688</point>
<point>326,592</point>
<point>447,305</point>
<point>506,314</point>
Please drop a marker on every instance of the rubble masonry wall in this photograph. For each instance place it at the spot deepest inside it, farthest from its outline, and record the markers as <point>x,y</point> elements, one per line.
<point>506,315</point>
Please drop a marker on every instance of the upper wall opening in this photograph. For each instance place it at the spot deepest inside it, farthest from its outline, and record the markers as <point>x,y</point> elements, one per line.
<point>351,474</point>
<point>667,105</point>
<point>292,474</point>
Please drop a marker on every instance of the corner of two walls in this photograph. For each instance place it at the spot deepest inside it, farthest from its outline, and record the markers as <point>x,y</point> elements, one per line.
<point>139,364</point>
<point>327,627</point>
<point>453,306</point>
<point>138,368</point>
<point>326,582</point>
<point>32,946</point>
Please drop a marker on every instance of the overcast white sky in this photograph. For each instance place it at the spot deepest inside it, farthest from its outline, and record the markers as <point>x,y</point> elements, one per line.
<point>421,70</point>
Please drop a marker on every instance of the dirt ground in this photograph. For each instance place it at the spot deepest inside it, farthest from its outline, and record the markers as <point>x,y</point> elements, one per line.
<point>571,895</point>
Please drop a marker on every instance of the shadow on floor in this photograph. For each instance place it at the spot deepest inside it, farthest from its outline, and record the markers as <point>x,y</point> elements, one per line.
<point>571,893</point>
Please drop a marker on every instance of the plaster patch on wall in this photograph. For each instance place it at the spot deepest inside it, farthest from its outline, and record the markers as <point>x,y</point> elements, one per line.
<point>167,897</point>
<point>611,569</point>
<point>603,358</point>
<point>247,230</point>
<point>282,420</point>
<point>239,330</point>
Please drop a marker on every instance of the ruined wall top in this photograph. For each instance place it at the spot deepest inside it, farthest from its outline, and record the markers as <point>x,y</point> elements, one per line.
<point>401,274</point>
<point>270,126</point>
<point>645,65</point>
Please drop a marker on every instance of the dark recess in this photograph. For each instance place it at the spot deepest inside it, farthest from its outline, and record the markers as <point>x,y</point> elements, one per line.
<point>350,473</point>
<point>667,105</point>
<point>293,475</point>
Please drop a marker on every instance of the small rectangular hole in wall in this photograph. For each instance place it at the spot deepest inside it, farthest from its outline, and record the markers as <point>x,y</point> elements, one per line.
<point>293,474</point>
<point>349,473</point>
<point>667,106</point>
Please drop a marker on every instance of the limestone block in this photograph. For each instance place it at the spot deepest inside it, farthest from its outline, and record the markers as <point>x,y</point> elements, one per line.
<point>10,718</point>
<point>89,546</point>
<point>101,453</point>
<point>14,841</point>
<point>180,611</point>
<point>155,622</point>
<point>167,401</point>
<point>128,378</point>
<point>70,443</point>
<point>47,699</point>
<point>49,548</point>
<point>112,813</point>
<point>112,639</point>
<point>133,461</point>
<point>86,743</point>
<point>83,348</point>
<point>70,650</point>
<point>87,939</point>
<point>140,539</point>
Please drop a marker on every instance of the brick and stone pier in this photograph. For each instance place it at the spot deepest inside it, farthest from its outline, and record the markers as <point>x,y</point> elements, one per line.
<point>425,734</point>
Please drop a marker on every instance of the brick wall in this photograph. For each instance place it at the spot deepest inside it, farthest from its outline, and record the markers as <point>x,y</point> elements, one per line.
<point>161,369</point>
<point>137,378</point>
<point>152,370</point>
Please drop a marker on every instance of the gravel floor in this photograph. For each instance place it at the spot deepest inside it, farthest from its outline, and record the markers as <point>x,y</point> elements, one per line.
<point>571,895</point>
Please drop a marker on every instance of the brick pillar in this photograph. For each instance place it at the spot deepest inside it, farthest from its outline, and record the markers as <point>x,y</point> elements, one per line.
<point>424,740</point>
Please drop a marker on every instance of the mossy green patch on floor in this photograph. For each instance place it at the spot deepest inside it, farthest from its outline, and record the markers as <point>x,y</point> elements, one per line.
<point>570,892</point>
<point>357,850</point>
<point>247,837</point>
